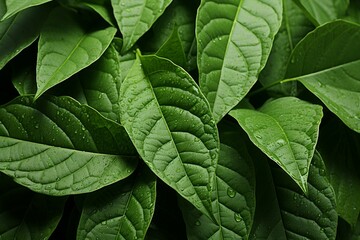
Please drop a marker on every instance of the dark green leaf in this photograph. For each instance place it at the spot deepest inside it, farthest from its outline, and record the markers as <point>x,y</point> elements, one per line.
<point>15,6</point>
<point>57,146</point>
<point>171,126</point>
<point>120,211</point>
<point>234,39</point>
<point>286,130</point>
<point>65,47</point>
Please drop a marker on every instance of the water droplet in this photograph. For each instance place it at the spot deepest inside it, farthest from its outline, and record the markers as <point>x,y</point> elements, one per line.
<point>295,196</point>
<point>293,60</point>
<point>197,223</point>
<point>258,136</point>
<point>280,142</point>
<point>231,192</point>
<point>322,172</point>
<point>104,222</point>
<point>237,217</point>
<point>100,96</point>
<point>57,179</point>
<point>36,126</point>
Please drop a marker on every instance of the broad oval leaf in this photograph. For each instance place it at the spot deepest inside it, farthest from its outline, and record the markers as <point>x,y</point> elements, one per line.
<point>121,211</point>
<point>25,214</point>
<point>233,197</point>
<point>26,24</point>
<point>320,12</point>
<point>66,47</point>
<point>135,17</point>
<point>234,40</point>
<point>15,6</point>
<point>294,27</point>
<point>330,68</point>
<point>56,146</point>
<point>286,130</point>
<point>315,213</point>
<point>170,123</point>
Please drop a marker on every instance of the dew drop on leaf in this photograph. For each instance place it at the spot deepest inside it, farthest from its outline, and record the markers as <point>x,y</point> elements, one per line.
<point>197,223</point>
<point>230,192</point>
<point>258,136</point>
<point>237,217</point>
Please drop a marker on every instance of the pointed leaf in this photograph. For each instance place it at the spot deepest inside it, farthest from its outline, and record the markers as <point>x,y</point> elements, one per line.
<point>170,123</point>
<point>320,12</point>
<point>25,214</point>
<point>26,24</point>
<point>234,40</point>
<point>294,27</point>
<point>286,130</point>
<point>315,213</point>
<point>120,211</point>
<point>98,85</point>
<point>103,8</point>
<point>136,17</point>
<point>15,6</point>
<point>330,68</point>
<point>57,146</point>
<point>233,200</point>
<point>340,148</point>
<point>66,47</point>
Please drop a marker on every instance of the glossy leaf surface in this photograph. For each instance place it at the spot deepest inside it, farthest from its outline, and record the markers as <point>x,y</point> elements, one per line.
<point>15,6</point>
<point>234,40</point>
<point>120,211</point>
<point>332,75</point>
<point>170,123</point>
<point>135,17</point>
<point>66,47</point>
<point>58,147</point>
<point>286,130</point>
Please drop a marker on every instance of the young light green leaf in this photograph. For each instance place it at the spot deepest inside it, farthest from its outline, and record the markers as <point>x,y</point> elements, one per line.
<point>66,47</point>
<point>98,85</point>
<point>135,18</point>
<point>25,214</point>
<point>332,75</point>
<point>294,27</point>
<point>170,123</point>
<point>26,24</point>
<point>234,40</point>
<point>57,146</point>
<point>320,12</point>
<point>233,200</point>
<point>340,148</point>
<point>121,211</point>
<point>15,6</point>
<point>315,212</point>
<point>286,130</point>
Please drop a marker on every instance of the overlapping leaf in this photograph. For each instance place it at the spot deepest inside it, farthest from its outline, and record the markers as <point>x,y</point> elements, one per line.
<point>27,24</point>
<point>233,200</point>
<point>286,130</point>
<point>66,47</point>
<point>330,68</point>
<point>136,17</point>
<point>15,6</point>
<point>57,146</point>
<point>170,123</point>
<point>320,12</point>
<point>294,27</point>
<point>234,40</point>
<point>315,213</point>
<point>25,214</point>
<point>121,211</point>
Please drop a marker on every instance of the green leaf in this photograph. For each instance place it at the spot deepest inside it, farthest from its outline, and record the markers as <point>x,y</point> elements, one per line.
<point>66,47</point>
<point>286,130</point>
<point>135,17</point>
<point>121,211</point>
<point>26,24</point>
<point>340,148</point>
<point>315,213</point>
<point>24,80</point>
<point>56,146</point>
<point>330,61</point>
<point>15,6</point>
<point>25,214</point>
<point>173,50</point>
<point>294,27</point>
<point>353,12</point>
<point>103,8</point>
<point>233,200</point>
<point>98,85</point>
<point>126,60</point>
<point>234,39</point>
<point>320,12</point>
<point>170,123</point>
